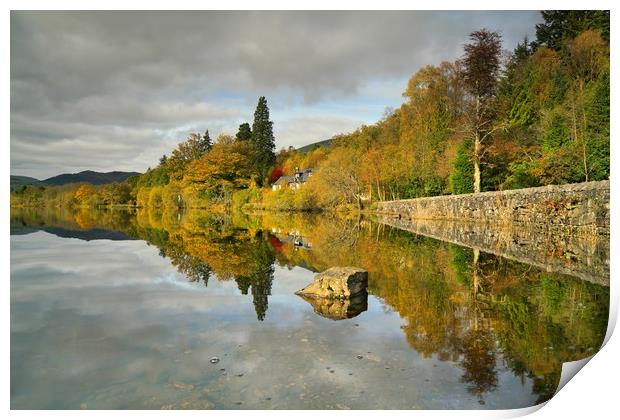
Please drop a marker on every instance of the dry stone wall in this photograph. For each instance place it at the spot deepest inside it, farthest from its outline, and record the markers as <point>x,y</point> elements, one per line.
<point>581,208</point>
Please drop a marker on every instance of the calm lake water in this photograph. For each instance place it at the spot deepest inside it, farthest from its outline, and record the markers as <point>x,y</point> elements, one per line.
<point>117,309</point>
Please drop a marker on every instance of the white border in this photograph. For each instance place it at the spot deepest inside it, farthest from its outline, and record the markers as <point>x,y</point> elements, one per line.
<point>593,394</point>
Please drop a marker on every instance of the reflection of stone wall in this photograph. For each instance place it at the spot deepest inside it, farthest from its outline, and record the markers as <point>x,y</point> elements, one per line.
<point>581,209</point>
<point>562,229</point>
<point>587,259</point>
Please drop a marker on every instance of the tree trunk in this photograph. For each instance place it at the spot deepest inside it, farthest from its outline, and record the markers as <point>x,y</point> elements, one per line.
<point>584,147</point>
<point>475,279</point>
<point>477,148</point>
<point>585,158</point>
<point>477,153</point>
<point>475,284</point>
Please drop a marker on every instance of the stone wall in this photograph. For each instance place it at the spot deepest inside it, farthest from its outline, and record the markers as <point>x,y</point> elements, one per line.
<point>581,209</point>
<point>558,228</point>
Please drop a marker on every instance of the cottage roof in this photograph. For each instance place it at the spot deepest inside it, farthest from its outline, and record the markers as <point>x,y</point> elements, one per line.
<point>300,176</point>
<point>283,179</point>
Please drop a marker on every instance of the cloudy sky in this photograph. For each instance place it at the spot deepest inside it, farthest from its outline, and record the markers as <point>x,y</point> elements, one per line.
<point>116,90</point>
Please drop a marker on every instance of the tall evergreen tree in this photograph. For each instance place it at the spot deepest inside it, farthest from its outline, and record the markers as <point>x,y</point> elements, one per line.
<point>262,137</point>
<point>205,142</point>
<point>245,132</point>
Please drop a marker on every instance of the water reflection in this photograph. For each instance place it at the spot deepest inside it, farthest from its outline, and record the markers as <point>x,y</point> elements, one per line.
<point>488,317</point>
<point>337,309</point>
<point>562,250</point>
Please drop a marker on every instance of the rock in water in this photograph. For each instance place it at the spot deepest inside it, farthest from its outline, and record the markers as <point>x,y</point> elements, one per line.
<point>337,309</point>
<point>337,283</point>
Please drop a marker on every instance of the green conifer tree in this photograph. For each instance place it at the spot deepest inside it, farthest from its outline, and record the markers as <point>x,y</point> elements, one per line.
<point>245,132</point>
<point>262,137</point>
<point>205,142</point>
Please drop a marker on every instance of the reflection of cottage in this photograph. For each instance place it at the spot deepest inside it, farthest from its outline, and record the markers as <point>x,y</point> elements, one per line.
<point>295,181</point>
<point>294,238</point>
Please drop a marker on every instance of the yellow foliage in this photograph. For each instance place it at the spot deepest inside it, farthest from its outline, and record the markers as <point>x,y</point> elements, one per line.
<point>85,219</point>
<point>171,196</point>
<point>84,193</point>
<point>226,165</point>
<point>155,199</point>
<point>142,197</point>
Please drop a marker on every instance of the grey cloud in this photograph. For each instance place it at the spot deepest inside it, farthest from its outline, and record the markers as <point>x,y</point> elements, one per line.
<point>315,128</point>
<point>168,71</point>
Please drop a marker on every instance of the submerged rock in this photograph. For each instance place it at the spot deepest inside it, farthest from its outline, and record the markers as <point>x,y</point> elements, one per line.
<point>338,293</point>
<point>337,309</point>
<point>337,283</point>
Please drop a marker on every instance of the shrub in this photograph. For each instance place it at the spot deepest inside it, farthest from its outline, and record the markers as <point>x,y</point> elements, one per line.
<point>245,197</point>
<point>462,179</point>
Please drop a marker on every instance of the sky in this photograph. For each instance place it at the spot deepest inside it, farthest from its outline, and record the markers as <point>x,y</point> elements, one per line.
<point>115,90</point>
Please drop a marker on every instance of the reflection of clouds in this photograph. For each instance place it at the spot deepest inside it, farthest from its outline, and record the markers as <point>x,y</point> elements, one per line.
<point>111,324</point>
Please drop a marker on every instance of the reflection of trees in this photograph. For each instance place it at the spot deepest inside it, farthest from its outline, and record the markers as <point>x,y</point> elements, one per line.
<point>192,267</point>
<point>479,362</point>
<point>235,254</point>
<point>259,284</point>
<point>470,307</point>
<point>209,246</point>
<point>260,281</point>
<point>75,219</point>
<point>457,304</point>
<point>477,345</point>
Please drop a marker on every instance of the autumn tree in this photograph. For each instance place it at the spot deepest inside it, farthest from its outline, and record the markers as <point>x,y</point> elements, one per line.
<point>481,67</point>
<point>337,181</point>
<point>226,167</point>
<point>225,139</point>
<point>191,149</point>
<point>429,125</point>
<point>85,194</point>
<point>262,138</point>
<point>115,193</point>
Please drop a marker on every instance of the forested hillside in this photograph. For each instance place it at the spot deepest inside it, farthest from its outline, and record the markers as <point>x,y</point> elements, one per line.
<point>542,118</point>
<point>18,181</point>
<point>91,177</point>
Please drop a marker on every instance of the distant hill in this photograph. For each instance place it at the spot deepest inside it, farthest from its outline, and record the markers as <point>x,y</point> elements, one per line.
<point>18,181</point>
<point>310,147</point>
<point>92,177</point>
